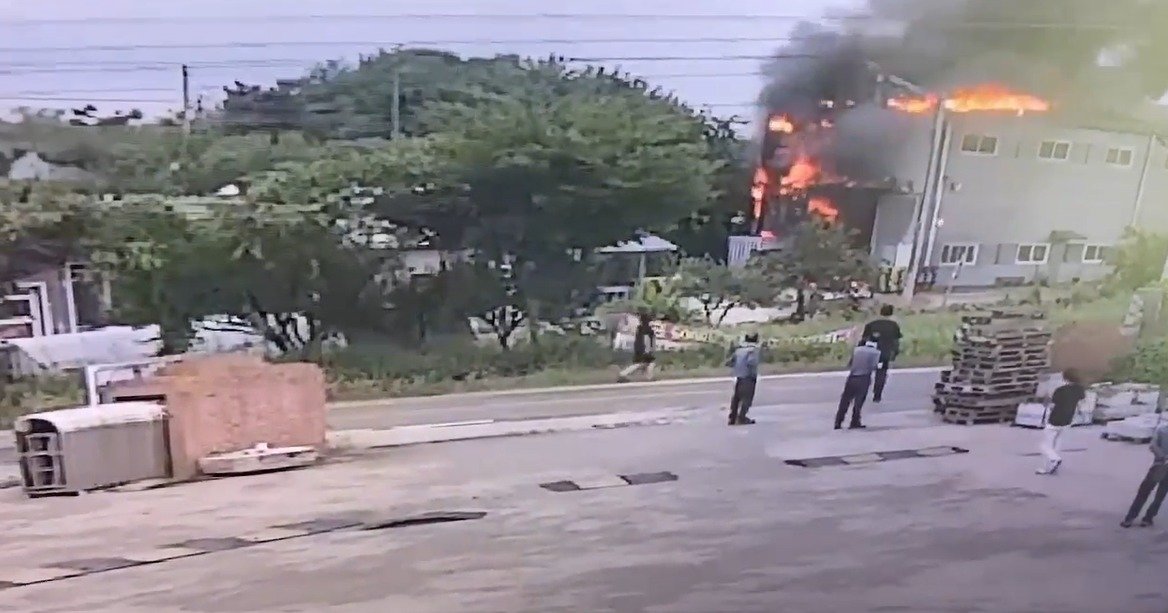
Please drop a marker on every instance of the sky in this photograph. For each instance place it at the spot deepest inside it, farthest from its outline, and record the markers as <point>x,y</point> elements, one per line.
<point>124,54</point>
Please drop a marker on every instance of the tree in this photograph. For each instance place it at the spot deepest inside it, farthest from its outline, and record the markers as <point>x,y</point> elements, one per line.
<point>537,178</point>
<point>40,226</point>
<point>720,288</point>
<point>820,252</point>
<point>297,273</point>
<point>1138,259</point>
<point>706,232</point>
<point>546,172</point>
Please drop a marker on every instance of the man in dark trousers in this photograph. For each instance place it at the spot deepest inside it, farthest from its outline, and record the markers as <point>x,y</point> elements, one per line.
<point>1156,479</point>
<point>744,363</point>
<point>865,360</point>
<point>889,333</point>
<point>644,344</point>
<point>1064,402</point>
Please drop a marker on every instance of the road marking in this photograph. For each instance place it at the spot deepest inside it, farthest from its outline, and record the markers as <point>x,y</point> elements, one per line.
<point>448,424</point>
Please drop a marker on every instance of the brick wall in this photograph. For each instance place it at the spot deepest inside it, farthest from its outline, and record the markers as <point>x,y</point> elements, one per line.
<point>234,401</point>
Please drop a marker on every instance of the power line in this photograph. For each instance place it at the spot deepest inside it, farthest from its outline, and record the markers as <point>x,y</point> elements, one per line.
<point>131,66</point>
<point>987,24</point>
<point>100,90</point>
<point>407,43</point>
<point>417,17</point>
<point>63,94</point>
<point>83,99</point>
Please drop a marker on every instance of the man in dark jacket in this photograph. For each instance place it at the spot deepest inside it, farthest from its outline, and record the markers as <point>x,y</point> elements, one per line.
<point>889,334</point>
<point>744,363</point>
<point>1156,479</point>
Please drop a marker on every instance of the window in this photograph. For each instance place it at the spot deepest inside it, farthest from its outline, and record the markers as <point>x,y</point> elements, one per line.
<point>1055,150</point>
<point>1094,254</point>
<point>1033,254</point>
<point>1120,156</point>
<point>954,254</point>
<point>979,144</point>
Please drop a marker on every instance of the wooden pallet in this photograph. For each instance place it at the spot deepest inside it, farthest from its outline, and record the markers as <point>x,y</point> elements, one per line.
<point>999,394</point>
<point>986,407</point>
<point>1001,351</point>
<point>992,378</point>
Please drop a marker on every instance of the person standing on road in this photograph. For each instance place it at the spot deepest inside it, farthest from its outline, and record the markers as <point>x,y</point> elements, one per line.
<point>1064,402</point>
<point>644,344</point>
<point>743,361</point>
<point>865,360</point>
<point>1156,479</point>
<point>889,333</point>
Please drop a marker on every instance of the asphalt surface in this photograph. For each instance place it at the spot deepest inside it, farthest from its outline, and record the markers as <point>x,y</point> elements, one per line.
<point>739,531</point>
<point>907,390</point>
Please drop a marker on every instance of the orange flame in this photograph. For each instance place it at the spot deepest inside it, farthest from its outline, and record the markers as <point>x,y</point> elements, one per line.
<point>758,190</point>
<point>804,173</point>
<point>984,97</point>
<point>824,208</point>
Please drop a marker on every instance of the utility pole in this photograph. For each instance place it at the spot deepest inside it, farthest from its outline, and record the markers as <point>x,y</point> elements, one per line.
<point>396,113</point>
<point>926,212</point>
<point>921,213</point>
<point>397,103</point>
<point>186,95</point>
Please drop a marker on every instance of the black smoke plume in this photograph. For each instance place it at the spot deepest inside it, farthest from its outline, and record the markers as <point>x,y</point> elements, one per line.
<point>1081,54</point>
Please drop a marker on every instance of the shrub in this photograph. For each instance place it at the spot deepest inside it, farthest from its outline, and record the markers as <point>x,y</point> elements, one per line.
<point>1147,364</point>
<point>26,395</point>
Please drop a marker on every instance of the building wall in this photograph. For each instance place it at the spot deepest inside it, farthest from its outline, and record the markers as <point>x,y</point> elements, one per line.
<point>57,297</point>
<point>1006,200</point>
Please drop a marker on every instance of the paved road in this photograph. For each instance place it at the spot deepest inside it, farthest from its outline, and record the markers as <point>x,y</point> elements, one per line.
<point>739,531</point>
<point>906,390</point>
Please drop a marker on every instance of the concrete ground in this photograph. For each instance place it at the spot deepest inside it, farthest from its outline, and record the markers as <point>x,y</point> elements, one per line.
<point>738,531</point>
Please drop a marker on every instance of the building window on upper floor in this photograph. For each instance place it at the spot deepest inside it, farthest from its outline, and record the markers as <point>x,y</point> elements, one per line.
<point>954,254</point>
<point>979,144</point>
<point>1120,156</point>
<point>1036,253</point>
<point>1055,150</point>
<point>1095,254</point>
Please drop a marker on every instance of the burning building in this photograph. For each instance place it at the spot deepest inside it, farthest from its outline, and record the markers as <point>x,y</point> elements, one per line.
<point>999,171</point>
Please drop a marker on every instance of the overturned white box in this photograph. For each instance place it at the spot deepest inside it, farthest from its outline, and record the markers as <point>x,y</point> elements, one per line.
<point>1120,401</point>
<point>1138,429</point>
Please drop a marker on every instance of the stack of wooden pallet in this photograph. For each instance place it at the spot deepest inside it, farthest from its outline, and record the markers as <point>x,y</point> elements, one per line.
<point>997,360</point>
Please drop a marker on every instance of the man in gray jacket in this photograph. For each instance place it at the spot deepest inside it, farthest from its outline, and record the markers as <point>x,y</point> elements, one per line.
<point>743,361</point>
<point>1157,479</point>
<point>865,361</point>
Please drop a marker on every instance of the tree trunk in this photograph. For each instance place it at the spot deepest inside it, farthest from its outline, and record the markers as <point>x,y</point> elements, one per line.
<point>533,322</point>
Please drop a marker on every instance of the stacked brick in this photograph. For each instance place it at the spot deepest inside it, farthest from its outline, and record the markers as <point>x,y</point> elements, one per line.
<point>998,358</point>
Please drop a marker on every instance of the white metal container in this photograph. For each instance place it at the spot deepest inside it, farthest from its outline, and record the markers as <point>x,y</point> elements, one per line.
<point>76,450</point>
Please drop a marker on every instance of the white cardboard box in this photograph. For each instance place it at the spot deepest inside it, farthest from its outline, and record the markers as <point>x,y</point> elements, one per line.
<point>1138,429</point>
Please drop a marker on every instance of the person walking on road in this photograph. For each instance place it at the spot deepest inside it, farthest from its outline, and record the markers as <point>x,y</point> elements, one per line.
<point>644,344</point>
<point>743,361</point>
<point>1156,479</point>
<point>889,333</point>
<point>1064,402</point>
<point>865,360</point>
